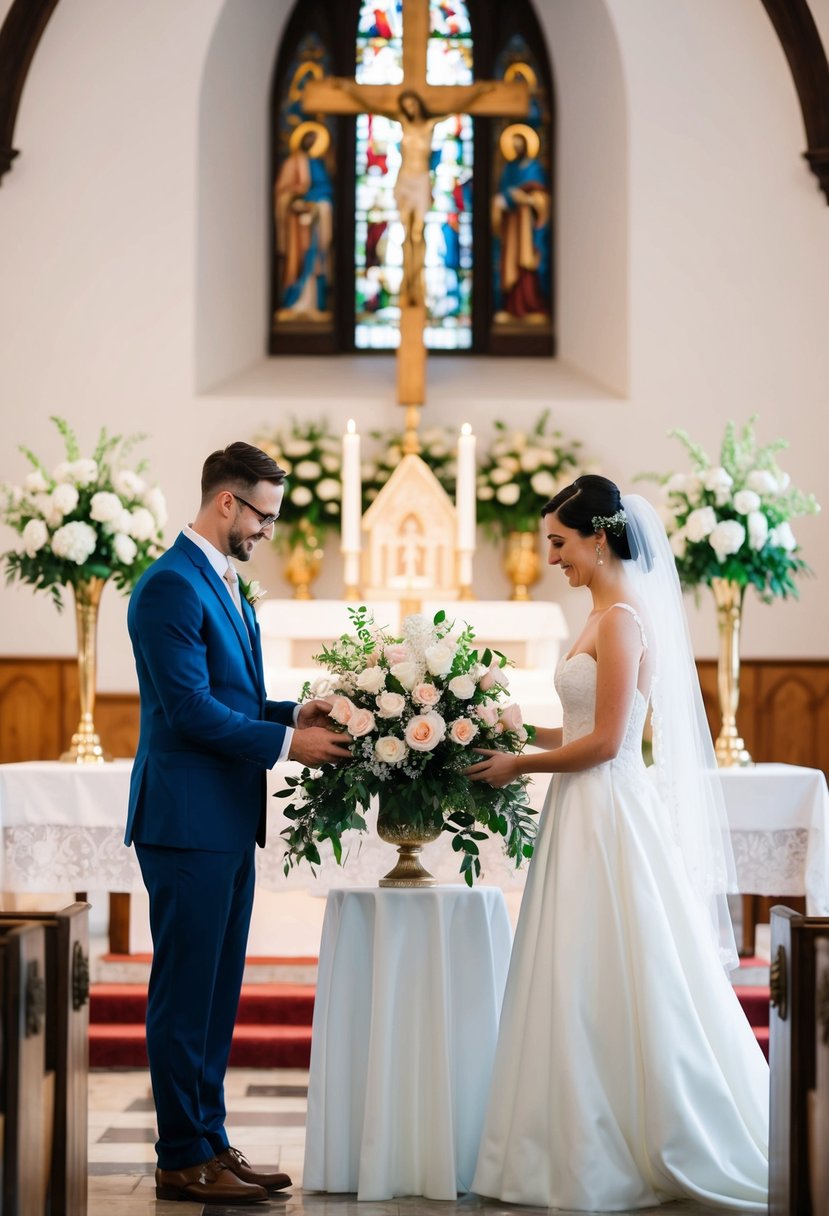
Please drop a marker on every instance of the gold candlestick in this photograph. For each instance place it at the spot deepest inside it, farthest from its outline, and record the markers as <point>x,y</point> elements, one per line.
<point>728,595</point>
<point>85,747</point>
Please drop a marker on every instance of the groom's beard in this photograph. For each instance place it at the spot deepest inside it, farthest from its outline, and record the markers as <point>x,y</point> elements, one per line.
<point>242,544</point>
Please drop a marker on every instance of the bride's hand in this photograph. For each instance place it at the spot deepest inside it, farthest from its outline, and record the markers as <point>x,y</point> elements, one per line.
<point>498,769</point>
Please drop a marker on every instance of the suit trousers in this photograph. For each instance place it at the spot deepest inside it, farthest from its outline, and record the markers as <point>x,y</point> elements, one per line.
<point>200,909</point>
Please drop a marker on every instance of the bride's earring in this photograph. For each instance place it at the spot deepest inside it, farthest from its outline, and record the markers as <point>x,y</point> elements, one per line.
<point>599,558</point>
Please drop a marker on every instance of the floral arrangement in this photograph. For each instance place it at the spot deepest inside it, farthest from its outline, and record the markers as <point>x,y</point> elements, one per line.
<point>312,458</point>
<point>415,708</point>
<point>90,517</point>
<point>521,473</point>
<point>731,520</point>
<point>439,449</point>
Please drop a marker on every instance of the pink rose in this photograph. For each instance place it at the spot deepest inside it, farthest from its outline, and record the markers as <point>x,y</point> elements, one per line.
<point>511,717</point>
<point>425,731</point>
<point>406,673</point>
<point>360,723</point>
<point>341,710</point>
<point>395,652</point>
<point>495,675</point>
<point>425,694</point>
<point>463,731</point>
<point>488,713</point>
<point>390,704</point>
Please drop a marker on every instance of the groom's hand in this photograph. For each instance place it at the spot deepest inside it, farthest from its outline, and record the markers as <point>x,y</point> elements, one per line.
<point>314,713</point>
<point>315,745</point>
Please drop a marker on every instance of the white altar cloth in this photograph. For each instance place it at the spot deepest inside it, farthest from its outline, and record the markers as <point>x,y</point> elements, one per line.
<point>409,994</point>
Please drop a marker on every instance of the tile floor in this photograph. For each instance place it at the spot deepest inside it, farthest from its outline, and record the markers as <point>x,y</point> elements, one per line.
<point>267,1122</point>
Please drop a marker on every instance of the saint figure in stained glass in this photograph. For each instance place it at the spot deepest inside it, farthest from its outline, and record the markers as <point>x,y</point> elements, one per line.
<point>303,208</point>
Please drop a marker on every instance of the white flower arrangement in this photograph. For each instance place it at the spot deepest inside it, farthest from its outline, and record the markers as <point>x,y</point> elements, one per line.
<point>414,708</point>
<point>88,518</point>
<point>438,450</point>
<point>731,520</point>
<point>312,459</point>
<point>522,471</point>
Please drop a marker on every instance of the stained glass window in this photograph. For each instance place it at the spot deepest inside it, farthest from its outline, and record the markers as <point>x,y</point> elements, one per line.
<point>448,231</point>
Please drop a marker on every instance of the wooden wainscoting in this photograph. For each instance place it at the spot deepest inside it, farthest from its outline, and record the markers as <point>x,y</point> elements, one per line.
<point>39,711</point>
<point>784,710</point>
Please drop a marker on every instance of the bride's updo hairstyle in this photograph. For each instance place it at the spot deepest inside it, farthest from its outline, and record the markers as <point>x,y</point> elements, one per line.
<point>588,497</point>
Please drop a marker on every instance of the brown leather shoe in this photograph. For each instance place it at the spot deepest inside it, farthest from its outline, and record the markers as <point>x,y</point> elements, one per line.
<point>241,1167</point>
<point>210,1182</point>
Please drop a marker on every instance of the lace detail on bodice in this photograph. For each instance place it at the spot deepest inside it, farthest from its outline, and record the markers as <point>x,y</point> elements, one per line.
<point>575,683</point>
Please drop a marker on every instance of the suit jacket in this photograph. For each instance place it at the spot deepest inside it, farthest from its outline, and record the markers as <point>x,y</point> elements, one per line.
<point>208,732</point>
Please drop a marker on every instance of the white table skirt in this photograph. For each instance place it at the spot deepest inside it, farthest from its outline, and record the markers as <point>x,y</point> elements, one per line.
<point>61,829</point>
<point>409,995</point>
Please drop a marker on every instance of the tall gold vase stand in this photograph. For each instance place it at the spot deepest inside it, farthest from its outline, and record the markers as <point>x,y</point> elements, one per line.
<point>728,596</point>
<point>85,747</point>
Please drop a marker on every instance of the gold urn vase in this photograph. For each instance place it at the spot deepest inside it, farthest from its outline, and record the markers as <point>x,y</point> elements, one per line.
<point>522,563</point>
<point>404,819</point>
<point>85,747</point>
<point>728,596</point>
<point>304,561</point>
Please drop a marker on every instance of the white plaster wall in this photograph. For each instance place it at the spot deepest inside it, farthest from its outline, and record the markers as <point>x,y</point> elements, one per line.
<point>124,223</point>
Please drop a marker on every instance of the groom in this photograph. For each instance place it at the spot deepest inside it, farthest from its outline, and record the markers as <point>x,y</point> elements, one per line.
<point>197,809</point>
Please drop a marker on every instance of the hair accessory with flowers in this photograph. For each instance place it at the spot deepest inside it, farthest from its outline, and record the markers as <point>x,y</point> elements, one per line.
<point>415,708</point>
<point>614,523</point>
<point>312,459</point>
<point>731,520</point>
<point>522,471</point>
<point>93,517</point>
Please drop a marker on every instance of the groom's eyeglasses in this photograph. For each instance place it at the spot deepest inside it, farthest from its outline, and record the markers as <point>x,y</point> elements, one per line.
<point>267,521</point>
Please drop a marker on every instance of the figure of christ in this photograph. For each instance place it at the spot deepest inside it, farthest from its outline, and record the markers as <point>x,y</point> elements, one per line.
<point>413,189</point>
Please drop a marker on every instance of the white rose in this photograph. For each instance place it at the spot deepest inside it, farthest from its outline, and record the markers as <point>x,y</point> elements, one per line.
<point>511,463</point>
<point>532,459</point>
<point>405,673</point>
<point>35,536</point>
<point>390,705</point>
<point>331,464</point>
<point>508,495</point>
<point>83,472</point>
<point>746,501</point>
<point>322,687</point>
<point>727,538</point>
<point>75,542</point>
<point>297,448</point>
<point>679,543</point>
<point>371,679</point>
<point>328,489</point>
<point>485,493</point>
<point>154,501</point>
<point>463,687</point>
<point>762,481</point>
<point>758,529</point>
<point>676,484</point>
<point>390,749</point>
<point>543,483</point>
<point>125,548</point>
<point>782,537</point>
<point>128,484</point>
<point>48,508</point>
<point>463,731</point>
<point>35,482</point>
<point>700,523</point>
<point>719,482</point>
<point>65,498</point>
<point>439,658</point>
<point>360,723</point>
<point>395,652</point>
<point>62,471</point>
<point>425,731</point>
<point>518,441</point>
<point>301,496</point>
<point>425,694</point>
<point>106,508</point>
<point>142,524</point>
<point>307,470</point>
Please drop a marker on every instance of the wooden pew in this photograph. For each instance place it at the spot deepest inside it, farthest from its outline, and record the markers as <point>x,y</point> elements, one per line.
<point>26,1090</point>
<point>67,1048</point>
<point>794,939</point>
<point>819,1097</point>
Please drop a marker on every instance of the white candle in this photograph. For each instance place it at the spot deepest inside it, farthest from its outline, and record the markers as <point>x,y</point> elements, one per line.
<point>352,490</point>
<point>465,494</point>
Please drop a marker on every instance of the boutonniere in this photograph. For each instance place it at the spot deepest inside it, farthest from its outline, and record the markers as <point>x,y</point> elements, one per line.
<point>252,591</point>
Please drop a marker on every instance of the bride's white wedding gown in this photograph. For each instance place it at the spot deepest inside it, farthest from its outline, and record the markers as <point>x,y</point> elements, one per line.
<point>626,1072</point>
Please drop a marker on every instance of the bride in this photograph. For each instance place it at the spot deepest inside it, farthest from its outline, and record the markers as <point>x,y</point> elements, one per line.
<point>626,1072</point>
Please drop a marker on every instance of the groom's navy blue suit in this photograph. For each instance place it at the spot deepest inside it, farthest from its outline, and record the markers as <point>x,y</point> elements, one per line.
<point>197,805</point>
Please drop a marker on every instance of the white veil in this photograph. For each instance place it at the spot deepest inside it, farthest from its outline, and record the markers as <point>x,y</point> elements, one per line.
<point>685,765</point>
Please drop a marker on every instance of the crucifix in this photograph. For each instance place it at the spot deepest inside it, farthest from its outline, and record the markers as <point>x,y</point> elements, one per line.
<point>418,107</point>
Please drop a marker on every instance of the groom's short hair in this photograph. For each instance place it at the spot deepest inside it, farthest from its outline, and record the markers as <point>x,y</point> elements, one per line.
<point>240,465</point>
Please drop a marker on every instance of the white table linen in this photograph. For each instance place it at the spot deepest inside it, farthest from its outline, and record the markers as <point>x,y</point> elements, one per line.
<point>409,994</point>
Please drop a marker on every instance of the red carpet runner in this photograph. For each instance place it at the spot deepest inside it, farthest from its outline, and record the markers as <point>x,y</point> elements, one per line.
<point>273,1028</point>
